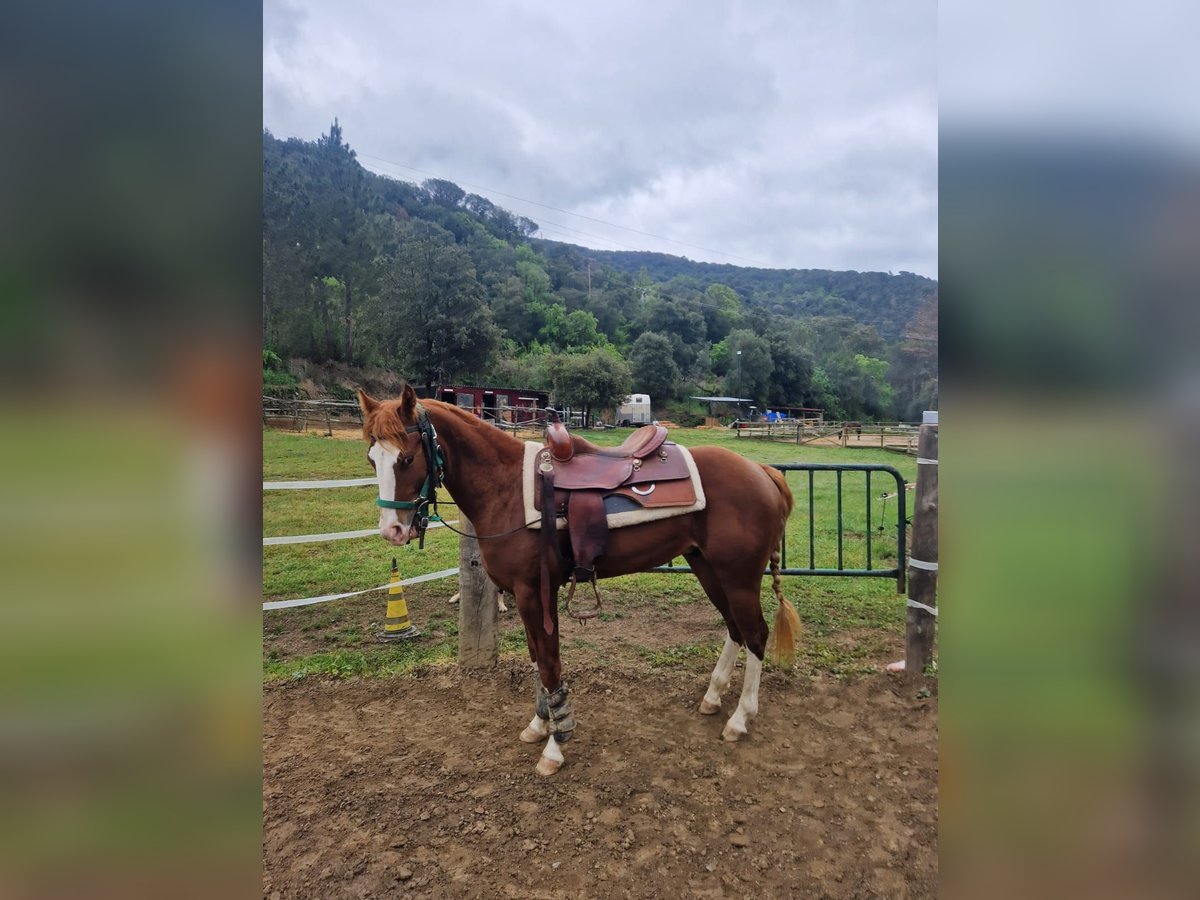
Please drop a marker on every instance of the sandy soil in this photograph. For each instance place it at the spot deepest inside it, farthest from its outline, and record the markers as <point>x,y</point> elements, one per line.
<point>417,786</point>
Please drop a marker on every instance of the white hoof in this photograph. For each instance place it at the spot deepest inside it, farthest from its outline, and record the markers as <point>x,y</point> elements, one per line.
<point>733,733</point>
<point>530,736</point>
<point>708,709</point>
<point>536,731</point>
<point>552,758</point>
<point>454,599</point>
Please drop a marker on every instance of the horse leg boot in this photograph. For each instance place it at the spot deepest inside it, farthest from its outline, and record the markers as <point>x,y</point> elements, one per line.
<point>561,723</point>
<point>747,708</point>
<point>720,677</point>
<point>538,730</point>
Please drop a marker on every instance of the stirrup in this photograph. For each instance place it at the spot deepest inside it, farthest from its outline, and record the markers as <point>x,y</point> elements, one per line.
<point>589,610</point>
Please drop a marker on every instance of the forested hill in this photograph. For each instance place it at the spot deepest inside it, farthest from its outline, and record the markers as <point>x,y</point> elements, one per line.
<point>881,299</point>
<point>443,286</point>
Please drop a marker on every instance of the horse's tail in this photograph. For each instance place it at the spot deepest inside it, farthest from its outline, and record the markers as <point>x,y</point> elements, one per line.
<point>784,491</point>
<point>782,642</point>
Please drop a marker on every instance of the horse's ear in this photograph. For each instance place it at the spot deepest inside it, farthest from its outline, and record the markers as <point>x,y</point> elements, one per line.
<point>367,403</point>
<point>408,402</point>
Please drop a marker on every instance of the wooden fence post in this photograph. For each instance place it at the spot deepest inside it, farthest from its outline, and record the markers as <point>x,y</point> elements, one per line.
<point>920,623</point>
<point>478,640</point>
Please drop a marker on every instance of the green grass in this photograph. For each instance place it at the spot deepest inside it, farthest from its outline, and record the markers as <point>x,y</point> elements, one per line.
<point>847,621</point>
<point>681,655</point>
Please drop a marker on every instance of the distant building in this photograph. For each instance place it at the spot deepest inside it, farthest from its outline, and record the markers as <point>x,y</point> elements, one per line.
<point>510,405</point>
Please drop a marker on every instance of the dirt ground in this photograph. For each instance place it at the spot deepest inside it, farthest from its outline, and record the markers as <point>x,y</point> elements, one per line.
<point>417,786</point>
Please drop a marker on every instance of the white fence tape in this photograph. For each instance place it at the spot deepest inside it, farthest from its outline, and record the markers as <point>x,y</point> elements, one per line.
<point>325,598</point>
<point>310,485</point>
<point>318,538</point>
<point>333,536</point>
<point>917,604</point>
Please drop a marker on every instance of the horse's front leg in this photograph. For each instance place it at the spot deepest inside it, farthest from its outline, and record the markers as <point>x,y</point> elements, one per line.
<point>537,730</point>
<point>553,720</point>
<point>561,725</point>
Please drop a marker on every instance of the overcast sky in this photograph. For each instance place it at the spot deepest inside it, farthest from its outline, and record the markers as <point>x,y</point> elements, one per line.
<point>773,132</point>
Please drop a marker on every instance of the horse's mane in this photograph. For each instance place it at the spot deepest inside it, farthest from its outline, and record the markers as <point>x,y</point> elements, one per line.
<point>470,420</point>
<point>384,422</point>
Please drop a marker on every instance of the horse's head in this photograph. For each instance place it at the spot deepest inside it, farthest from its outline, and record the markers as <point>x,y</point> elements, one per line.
<point>399,453</point>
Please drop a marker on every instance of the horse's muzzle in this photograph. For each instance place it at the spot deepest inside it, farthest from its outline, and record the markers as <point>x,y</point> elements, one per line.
<point>398,534</point>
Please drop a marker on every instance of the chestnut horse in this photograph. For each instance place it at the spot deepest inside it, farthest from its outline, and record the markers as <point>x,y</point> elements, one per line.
<point>417,446</point>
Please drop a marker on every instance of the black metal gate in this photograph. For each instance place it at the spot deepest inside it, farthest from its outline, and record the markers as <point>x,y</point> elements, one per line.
<point>839,471</point>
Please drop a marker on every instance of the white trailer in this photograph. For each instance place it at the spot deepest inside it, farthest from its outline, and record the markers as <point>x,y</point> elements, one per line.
<point>635,410</point>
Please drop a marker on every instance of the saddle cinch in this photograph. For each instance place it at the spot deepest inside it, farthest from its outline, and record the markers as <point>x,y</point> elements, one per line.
<point>584,483</point>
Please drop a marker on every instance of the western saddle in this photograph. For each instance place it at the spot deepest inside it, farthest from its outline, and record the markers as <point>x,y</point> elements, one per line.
<point>575,477</point>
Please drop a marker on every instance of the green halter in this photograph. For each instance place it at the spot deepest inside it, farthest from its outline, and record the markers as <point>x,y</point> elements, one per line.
<point>435,468</point>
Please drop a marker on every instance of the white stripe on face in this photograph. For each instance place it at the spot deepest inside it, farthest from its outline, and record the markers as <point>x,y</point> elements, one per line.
<point>392,525</point>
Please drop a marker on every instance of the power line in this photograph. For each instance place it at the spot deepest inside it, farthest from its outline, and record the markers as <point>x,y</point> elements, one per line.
<point>549,232</point>
<point>659,237</point>
<point>589,234</point>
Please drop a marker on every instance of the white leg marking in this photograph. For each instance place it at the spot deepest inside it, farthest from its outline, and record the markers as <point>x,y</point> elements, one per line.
<point>500,601</point>
<point>537,730</point>
<point>720,677</point>
<point>747,709</point>
<point>552,758</point>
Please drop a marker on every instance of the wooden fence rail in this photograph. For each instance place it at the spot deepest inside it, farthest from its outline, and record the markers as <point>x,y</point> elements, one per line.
<point>299,412</point>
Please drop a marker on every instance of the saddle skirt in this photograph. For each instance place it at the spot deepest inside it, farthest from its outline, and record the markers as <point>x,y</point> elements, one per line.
<point>664,484</point>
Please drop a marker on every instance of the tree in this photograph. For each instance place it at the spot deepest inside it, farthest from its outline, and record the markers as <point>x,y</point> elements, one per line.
<point>331,230</point>
<point>825,396</point>
<point>749,375</point>
<point>654,369</point>
<point>445,193</point>
<point>598,379</point>
<point>580,331</point>
<point>875,390</point>
<point>792,369</point>
<point>722,309</point>
<point>915,371</point>
<point>435,313</point>
<point>681,321</point>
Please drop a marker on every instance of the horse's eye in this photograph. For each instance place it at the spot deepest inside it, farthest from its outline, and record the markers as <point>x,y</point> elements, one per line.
<point>406,462</point>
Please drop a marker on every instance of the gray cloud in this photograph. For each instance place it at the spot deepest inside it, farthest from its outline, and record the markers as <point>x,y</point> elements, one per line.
<point>797,135</point>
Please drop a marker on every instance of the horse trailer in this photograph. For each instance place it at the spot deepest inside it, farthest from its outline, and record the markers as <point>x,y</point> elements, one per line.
<point>635,410</point>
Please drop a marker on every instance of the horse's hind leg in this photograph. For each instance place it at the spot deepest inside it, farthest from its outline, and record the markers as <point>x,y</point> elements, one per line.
<point>729,653</point>
<point>745,609</point>
<point>747,708</point>
<point>721,676</point>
